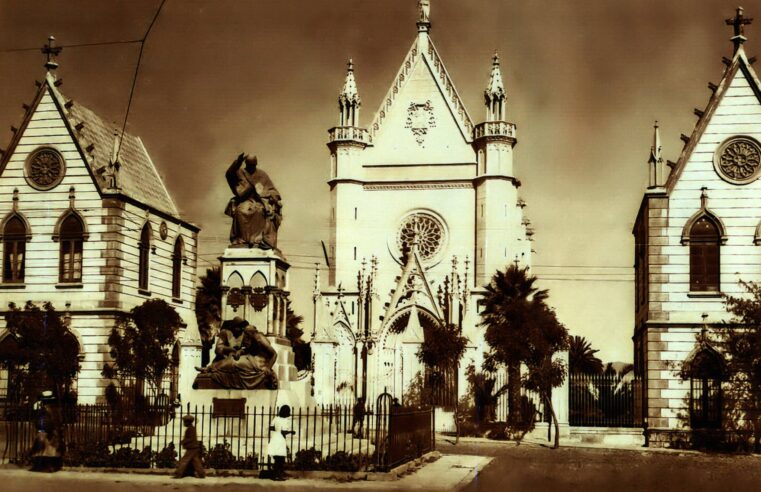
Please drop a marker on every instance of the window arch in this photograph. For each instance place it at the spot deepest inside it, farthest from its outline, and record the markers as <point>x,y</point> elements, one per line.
<point>706,374</point>
<point>144,248</point>
<point>177,259</point>
<point>705,258</point>
<point>71,235</point>
<point>15,235</point>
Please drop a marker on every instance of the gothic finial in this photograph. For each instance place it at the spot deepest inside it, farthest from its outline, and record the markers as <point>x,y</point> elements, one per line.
<point>424,15</point>
<point>494,95</point>
<point>72,197</point>
<point>15,199</point>
<point>738,22</point>
<point>51,51</point>
<point>703,197</point>
<point>656,159</point>
<point>349,100</point>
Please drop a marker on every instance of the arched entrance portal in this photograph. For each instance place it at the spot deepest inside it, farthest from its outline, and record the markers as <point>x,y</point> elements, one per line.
<point>399,370</point>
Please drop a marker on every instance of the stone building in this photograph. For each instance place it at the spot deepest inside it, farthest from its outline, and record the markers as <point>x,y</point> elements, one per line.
<point>697,234</point>
<point>424,210</point>
<point>87,224</point>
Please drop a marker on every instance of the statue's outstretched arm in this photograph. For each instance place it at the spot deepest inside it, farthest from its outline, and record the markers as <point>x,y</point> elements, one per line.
<point>232,172</point>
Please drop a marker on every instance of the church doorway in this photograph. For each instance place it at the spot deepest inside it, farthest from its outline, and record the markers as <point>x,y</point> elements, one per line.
<point>402,374</point>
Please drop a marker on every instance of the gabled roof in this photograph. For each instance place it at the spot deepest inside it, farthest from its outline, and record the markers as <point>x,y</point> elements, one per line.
<point>423,51</point>
<point>739,63</point>
<point>138,178</point>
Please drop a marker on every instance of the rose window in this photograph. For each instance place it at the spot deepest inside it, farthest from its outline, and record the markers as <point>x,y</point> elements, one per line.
<point>738,160</point>
<point>45,168</point>
<point>427,229</point>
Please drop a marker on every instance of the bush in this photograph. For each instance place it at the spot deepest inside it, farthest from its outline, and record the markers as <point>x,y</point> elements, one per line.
<point>87,454</point>
<point>342,461</point>
<point>167,457</point>
<point>308,459</point>
<point>127,457</point>
<point>221,457</point>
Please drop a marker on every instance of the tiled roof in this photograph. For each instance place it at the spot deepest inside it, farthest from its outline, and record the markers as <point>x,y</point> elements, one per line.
<point>137,177</point>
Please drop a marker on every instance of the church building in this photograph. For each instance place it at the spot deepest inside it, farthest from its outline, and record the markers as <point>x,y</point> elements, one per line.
<point>697,234</point>
<point>87,224</point>
<point>425,208</point>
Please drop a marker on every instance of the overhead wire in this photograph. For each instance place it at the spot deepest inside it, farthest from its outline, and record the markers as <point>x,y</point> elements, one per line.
<point>134,78</point>
<point>76,45</point>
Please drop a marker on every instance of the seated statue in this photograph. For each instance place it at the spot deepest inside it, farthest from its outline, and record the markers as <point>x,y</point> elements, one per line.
<point>244,359</point>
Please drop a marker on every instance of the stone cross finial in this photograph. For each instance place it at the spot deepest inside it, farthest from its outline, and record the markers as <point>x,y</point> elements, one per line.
<point>738,22</point>
<point>51,51</point>
<point>424,15</point>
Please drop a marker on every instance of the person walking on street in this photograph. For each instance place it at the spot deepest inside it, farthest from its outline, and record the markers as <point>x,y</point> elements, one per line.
<point>192,447</point>
<point>277,448</point>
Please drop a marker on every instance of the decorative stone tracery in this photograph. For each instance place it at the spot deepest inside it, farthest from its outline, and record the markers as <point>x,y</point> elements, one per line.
<point>738,160</point>
<point>45,168</point>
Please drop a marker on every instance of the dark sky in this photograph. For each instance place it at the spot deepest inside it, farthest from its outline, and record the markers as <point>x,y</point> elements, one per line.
<point>585,80</point>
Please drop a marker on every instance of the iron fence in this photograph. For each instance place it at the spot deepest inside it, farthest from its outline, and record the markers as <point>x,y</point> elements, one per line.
<point>326,437</point>
<point>605,400</point>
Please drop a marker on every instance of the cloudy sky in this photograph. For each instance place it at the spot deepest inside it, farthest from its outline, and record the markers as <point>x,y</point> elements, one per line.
<point>585,80</point>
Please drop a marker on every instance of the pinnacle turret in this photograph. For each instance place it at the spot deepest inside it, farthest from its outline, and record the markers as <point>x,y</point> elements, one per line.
<point>348,100</point>
<point>494,94</point>
<point>656,159</point>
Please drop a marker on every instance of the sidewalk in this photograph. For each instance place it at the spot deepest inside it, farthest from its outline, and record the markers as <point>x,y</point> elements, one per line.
<point>449,472</point>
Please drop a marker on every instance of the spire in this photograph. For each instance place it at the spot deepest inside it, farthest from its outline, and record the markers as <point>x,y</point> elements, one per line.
<point>50,51</point>
<point>738,23</point>
<point>495,93</point>
<point>424,15</point>
<point>656,159</point>
<point>349,101</point>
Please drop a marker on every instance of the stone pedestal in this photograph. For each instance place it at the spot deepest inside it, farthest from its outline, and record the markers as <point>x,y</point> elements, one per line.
<point>255,287</point>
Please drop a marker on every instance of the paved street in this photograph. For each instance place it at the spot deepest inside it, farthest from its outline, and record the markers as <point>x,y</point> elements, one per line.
<point>450,472</point>
<point>533,467</point>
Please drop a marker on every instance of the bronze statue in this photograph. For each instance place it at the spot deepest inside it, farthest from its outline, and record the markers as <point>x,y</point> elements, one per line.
<point>244,359</point>
<point>256,208</point>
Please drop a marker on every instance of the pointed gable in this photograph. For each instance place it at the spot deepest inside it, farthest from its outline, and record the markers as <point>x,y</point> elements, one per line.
<point>733,110</point>
<point>93,139</point>
<point>422,118</point>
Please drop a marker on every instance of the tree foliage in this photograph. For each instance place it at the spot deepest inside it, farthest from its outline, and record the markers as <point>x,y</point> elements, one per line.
<point>546,338</point>
<point>740,343</point>
<point>302,351</point>
<point>582,358</point>
<point>509,303</point>
<point>141,343</point>
<point>46,355</point>
<point>209,308</point>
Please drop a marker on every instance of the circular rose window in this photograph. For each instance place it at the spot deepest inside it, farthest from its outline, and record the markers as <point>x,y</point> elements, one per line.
<point>738,160</point>
<point>428,230</point>
<point>45,168</point>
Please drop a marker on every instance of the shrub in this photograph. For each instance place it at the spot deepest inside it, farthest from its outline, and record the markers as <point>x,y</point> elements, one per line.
<point>167,457</point>
<point>127,457</point>
<point>308,459</point>
<point>90,454</point>
<point>342,461</point>
<point>221,457</point>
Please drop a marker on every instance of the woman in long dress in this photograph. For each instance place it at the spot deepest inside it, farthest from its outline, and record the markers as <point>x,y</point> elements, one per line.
<point>277,448</point>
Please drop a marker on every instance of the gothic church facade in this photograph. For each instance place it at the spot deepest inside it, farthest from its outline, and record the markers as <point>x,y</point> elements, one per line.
<point>424,210</point>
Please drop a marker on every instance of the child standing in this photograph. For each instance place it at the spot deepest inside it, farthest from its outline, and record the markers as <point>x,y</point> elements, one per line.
<point>277,449</point>
<point>192,447</point>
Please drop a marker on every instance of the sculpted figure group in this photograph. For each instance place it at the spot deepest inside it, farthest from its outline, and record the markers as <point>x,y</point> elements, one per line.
<point>244,358</point>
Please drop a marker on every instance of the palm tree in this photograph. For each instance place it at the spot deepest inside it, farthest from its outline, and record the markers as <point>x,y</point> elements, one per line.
<point>209,309</point>
<point>581,357</point>
<point>507,314</point>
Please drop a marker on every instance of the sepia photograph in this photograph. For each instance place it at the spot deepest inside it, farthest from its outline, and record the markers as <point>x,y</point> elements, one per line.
<point>436,245</point>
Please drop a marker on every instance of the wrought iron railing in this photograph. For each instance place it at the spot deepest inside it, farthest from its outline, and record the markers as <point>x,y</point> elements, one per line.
<point>605,400</point>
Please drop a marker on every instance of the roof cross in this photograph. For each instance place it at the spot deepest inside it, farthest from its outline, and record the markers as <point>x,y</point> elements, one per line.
<point>738,23</point>
<point>50,50</point>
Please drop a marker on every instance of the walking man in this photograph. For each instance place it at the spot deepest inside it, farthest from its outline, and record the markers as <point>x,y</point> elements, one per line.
<point>192,447</point>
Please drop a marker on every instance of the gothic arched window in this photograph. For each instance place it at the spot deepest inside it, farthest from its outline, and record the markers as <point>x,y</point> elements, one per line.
<point>14,250</point>
<point>144,259</point>
<point>705,239</point>
<point>705,389</point>
<point>177,259</point>
<point>71,236</point>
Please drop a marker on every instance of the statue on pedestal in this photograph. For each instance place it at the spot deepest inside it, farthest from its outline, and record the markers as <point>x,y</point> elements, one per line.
<point>256,208</point>
<point>244,359</point>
